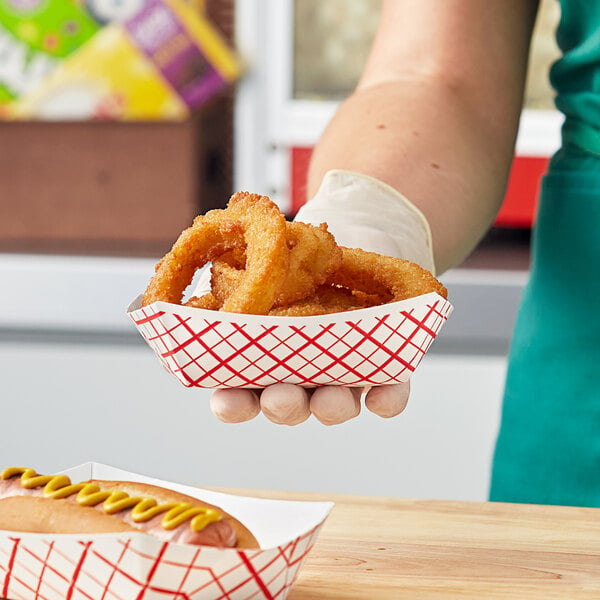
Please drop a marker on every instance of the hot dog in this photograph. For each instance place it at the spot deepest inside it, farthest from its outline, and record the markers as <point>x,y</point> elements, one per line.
<point>52,504</point>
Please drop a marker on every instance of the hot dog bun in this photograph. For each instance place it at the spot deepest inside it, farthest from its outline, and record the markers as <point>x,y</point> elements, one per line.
<point>244,537</point>
<point>51,504</point>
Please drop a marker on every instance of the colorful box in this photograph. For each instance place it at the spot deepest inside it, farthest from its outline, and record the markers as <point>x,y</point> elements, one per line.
<point>35,36</point>
<point>158,64</point>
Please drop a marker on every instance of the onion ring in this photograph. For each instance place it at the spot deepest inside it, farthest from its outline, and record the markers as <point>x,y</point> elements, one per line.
<point>384,276</point>
<point>206,301</point>
<point>224,280</point>
<point>263,265</point>
<point>234,258</point>
<point>327,299</point>
<point>249,221</point>
<point>314,256</point>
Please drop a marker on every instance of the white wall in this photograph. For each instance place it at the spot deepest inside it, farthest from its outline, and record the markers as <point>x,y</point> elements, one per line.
<point>63,404</point>
<point>66,403</point>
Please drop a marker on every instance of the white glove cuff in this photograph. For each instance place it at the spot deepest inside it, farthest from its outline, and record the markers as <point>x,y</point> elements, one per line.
<point>364,212</point>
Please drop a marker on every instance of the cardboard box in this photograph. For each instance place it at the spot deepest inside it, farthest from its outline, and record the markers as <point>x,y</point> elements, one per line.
<point>110,188</point>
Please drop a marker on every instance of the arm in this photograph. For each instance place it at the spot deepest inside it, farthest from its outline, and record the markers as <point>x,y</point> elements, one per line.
<point>436,112</point>
<point>435,116</point>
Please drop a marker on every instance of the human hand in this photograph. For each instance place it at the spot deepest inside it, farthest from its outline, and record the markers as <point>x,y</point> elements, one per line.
<point>287,404</point>
<point>360,212</point>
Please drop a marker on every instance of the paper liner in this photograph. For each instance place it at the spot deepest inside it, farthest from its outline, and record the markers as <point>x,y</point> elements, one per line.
<point>372,346</point>
<point>127,566</point>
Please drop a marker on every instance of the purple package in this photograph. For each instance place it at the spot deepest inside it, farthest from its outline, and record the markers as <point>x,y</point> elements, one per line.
<point>158,32</point>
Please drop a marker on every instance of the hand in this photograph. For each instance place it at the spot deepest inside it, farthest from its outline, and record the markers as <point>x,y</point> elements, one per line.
<point>389,224</point>
<point>288,404</point>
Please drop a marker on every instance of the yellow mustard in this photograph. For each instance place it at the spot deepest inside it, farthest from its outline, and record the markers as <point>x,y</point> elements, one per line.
<point>90,494</point>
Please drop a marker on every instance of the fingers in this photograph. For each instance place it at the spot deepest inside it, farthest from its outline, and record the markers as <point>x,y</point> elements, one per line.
<point>333,405</point>
<point>285,404</point>
<point>389,400</point>
<point>235,406</point>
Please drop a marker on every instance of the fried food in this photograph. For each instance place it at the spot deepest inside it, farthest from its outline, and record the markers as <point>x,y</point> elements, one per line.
<point>234,258</point>
<point>263,265</point>
<point>224,279</point>
<point>267,257</point>
<point>206,301</point>
<point>313,257</point>
<point>327,299</point>
<point>385,276</point>
<point>250,221</point>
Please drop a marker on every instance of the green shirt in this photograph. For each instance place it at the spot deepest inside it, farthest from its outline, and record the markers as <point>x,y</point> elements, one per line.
<point>576,75</point>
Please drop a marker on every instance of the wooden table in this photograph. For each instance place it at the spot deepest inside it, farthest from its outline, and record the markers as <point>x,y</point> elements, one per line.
<point>384,548</point>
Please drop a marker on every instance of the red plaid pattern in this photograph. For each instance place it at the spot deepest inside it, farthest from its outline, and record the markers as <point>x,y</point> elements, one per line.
<point>375,346</point>
<point>139,567</point>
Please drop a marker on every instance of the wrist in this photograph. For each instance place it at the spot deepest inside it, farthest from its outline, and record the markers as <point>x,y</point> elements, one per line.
<point>364,212</point>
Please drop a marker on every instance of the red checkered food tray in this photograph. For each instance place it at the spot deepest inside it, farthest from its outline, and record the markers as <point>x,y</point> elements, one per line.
<point>128,566</point>
<point>372,346</point>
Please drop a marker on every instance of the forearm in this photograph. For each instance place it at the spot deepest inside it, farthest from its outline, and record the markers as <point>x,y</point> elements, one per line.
<point>423,142</point>
<point>445,142</point>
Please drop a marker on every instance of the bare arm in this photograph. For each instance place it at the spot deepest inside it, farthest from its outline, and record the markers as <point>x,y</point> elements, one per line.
<point>435,116</point>
<point>436,111</point>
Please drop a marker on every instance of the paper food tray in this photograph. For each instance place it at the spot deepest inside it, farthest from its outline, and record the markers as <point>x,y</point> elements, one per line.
<point>126,566</point>
<point>211,349</point>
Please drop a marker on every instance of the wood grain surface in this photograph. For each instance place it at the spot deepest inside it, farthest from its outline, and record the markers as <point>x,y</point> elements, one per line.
<point>384,548</point>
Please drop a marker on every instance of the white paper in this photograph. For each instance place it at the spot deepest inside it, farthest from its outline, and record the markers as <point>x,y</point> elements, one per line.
<point>380,345</point>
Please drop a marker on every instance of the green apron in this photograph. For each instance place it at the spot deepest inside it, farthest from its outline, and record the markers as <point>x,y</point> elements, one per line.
<point>548,448</point>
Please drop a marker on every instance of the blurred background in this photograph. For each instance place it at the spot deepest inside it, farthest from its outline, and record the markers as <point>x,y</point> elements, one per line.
<point>120,120</point>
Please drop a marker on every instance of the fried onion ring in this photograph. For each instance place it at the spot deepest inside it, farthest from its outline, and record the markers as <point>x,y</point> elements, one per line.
<point>395,278</point>
<point>234,258</point>
<point>224,280</point>
<point>249,221</point>
<point>206,301</point>
<point>263,265</point>
<point>314,256</point>
<point>327,299</point>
